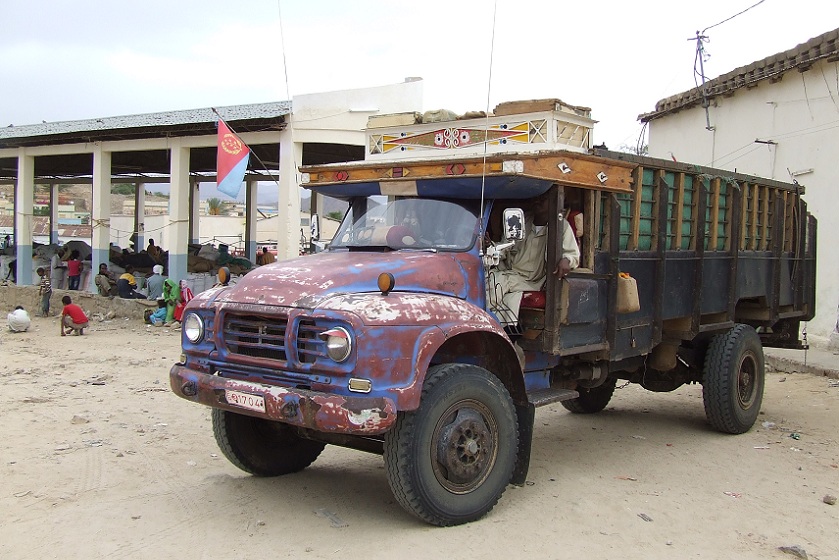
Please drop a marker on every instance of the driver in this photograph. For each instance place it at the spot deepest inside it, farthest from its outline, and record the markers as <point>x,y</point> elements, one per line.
<point>524,266</point>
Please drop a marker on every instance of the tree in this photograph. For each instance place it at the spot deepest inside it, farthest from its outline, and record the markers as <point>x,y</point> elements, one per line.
<point>216,207</point>
<point>123,188</point>
<point>336,215</point>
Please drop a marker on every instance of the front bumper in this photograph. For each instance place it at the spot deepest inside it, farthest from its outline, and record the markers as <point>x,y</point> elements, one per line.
<point>321,412</point>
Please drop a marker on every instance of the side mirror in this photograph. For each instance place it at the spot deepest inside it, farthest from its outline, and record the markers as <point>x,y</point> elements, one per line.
<point>315,227</point>
<point>513,224</point>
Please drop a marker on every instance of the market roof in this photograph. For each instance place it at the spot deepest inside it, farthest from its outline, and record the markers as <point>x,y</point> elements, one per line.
<point>800,58</point>
<point>191,122</point>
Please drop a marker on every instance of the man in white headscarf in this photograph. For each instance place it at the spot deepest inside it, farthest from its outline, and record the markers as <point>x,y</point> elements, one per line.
<point>155,283</point>
<point>19,320</point>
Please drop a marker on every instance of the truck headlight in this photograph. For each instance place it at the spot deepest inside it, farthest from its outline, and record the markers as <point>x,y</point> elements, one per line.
<point>193,328</point>
<point>338,343</point>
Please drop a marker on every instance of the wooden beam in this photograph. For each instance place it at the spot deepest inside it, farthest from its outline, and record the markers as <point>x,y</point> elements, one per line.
<point>789,212</point>
<point>591,222</point>
<point>754,196</point>
<point>744,212</point>
<point>659,213</point>
<point>561,167</point>
<point>638,178</point>
<point>765,227</point>
<point>679,184</point>
<point>715,213</point>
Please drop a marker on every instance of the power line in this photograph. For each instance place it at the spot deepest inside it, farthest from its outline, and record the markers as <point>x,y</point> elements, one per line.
<point>734,16</point>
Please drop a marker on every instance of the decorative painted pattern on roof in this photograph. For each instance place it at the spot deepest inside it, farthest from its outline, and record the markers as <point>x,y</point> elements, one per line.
<point>801,58</point>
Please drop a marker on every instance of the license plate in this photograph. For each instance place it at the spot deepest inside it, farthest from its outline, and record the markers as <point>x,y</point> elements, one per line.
<point>245,400</point>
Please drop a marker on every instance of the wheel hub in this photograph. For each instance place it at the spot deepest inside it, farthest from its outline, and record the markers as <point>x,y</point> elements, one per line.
<point>746,381</point>
<point>465,450</point>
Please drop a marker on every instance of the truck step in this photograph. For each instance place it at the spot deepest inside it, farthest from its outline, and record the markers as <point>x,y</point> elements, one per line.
<point>542,397</point>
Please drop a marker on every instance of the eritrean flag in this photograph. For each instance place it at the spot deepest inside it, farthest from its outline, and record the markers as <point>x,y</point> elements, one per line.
<point>232,161</point>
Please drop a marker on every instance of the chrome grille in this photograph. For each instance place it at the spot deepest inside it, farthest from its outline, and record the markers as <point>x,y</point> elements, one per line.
<point>259,337</point>
<point>310,346</point>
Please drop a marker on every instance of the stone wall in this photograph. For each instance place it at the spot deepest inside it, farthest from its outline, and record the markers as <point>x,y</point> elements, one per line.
<point>94,305</point>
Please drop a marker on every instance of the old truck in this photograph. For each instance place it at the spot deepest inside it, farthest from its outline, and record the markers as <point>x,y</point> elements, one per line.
<point>386,341</point>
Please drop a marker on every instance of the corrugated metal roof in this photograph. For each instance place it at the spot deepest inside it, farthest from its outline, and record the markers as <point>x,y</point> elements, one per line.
<point>41,227</point>
<point>800,58</point>
<point>12,135</point>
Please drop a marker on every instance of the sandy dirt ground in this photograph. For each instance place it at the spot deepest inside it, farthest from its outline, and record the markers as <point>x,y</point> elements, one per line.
<point>100,460</point>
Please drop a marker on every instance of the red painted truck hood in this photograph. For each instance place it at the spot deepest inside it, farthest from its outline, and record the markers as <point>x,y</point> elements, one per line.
<point>306,281</point>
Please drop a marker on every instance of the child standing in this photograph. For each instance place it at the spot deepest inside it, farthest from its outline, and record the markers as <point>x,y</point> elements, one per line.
<point>45,291</point>
<point>73,318</point>
<point>74,271</point>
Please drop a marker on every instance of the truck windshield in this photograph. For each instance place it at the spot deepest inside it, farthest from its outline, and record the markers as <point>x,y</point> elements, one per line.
<point>408,223</point>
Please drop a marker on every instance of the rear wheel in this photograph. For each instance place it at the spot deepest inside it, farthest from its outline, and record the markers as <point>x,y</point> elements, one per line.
<point>449,461</point>
<point>732,389</point>
<point>592,400</point>
<point>262,447</point>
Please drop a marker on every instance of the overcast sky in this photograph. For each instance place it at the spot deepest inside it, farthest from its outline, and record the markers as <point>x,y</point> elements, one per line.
<point>66,60</point>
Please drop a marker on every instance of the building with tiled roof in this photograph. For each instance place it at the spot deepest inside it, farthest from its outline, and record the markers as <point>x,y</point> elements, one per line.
<point>777,117</point>
<point>771,69</point>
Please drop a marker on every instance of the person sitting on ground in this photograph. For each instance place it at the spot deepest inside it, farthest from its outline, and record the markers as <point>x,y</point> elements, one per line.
<point>154,251</point>
<point>127,284</point>
<point>73,318</point>
<point>45,291</point>
<point>265,257</point>
<point>106,281</point>
<point>523,267</point>
<point>158,317</point>
<point>171,294</point>
<point>185,297</point>
<point>155,282</point>
<point>19,320</point>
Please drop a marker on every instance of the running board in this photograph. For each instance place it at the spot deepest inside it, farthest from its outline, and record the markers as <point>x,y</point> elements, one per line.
<point>542,397</point>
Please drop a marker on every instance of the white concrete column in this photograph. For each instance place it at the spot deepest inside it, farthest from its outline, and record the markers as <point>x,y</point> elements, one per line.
<point>195,213</point>
<point>24,206</point>
<point>140,216</point>
<point>100,214</point>
<point>251,217</point>
<point>288,234</point>
<point>54,213</point>
<point>179,211</point>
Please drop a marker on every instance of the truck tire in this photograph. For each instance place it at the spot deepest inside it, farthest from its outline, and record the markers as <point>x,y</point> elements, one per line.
<point>732,388</point>
<point>262,447</point>
<point>449,461</point>
<point>592,400</point>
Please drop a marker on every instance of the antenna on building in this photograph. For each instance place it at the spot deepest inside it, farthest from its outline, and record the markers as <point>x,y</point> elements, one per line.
<point>702,56</point>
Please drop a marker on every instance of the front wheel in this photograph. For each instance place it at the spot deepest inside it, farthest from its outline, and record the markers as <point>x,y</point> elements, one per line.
<point>262,447</point>
<point>449,461</point>
<point>732,388</point>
